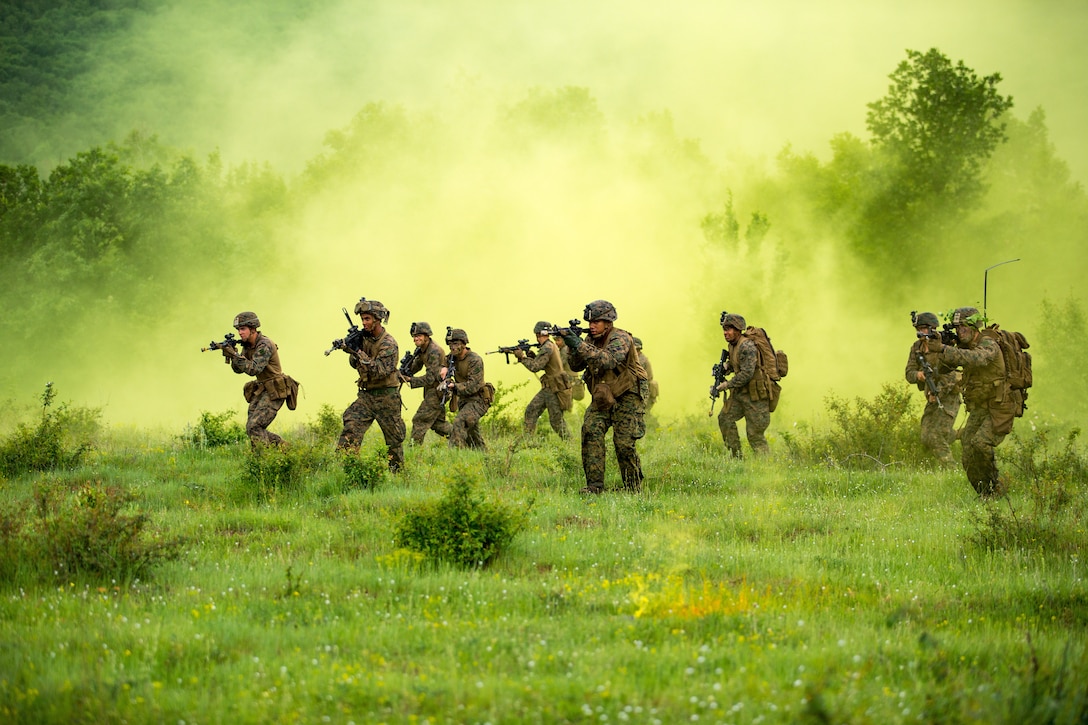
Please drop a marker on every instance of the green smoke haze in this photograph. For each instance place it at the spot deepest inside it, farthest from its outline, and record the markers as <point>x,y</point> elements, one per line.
<point>486,165</point>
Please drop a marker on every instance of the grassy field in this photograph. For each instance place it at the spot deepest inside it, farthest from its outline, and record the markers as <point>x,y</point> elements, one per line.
<point>781,590</point>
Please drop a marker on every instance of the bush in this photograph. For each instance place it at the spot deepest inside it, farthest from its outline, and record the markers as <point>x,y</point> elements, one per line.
<point>498,420</point>
<point>459,528</point>
<point>326,427</point>
<point>365,470</point>
<point>80,530</point>
<point>214,430</point>
<point>269,471</point>
<point>865,433</point>
<point>58,441</point>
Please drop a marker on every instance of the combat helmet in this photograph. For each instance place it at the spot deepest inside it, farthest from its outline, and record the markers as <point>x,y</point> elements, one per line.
<point>599,310</point>
<point>969,316</point>
<point>541,326</point>
<point>455,334</point>
<point>421,328</point>
<point>728,319</point>
<point>246,319</point>
<point>372,307</point>
<point>925,318</point>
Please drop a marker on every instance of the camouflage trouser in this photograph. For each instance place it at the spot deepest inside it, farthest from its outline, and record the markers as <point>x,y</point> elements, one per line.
<point>262,411</point>
<point>937,434</point>
<point>626,420</point>
<point>382,405</point>
<point>546,399</point>
<point>430,416</point>
<point>757,417</point>
<point>979,442</point>
<point>466,426</point>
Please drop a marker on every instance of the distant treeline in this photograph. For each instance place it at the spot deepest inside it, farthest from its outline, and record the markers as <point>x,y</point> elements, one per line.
<point>948,182</point>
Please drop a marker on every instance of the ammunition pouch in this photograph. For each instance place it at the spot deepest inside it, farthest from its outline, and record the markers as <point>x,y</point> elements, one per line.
<point>603,399</point>
<point>251,390</point>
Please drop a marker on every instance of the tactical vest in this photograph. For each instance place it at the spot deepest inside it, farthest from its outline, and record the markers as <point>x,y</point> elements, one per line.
<point>619,380</point>
<point>369,380</point>
<point>272,370</point>
<point>553,378</point>
<point>982,385</point>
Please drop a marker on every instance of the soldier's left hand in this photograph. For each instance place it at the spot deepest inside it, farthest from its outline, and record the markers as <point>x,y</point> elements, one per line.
<point>519,354</point>
<point>228,351</point>
<point>722,387</point>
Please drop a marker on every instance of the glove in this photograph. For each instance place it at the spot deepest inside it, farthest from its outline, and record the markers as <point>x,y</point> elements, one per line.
<point>572,341</point>
<point>228,351</point>
<point>519,354</point>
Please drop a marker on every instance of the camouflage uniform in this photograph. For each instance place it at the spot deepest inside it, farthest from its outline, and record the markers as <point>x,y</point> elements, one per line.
<point>431,414</point>
<point>741,403</point>
<point>651,384</point>
<point>471,401</point>
<point>990,403</point>
<point>553,383</point>
<point>379,397</point>
<point>266,394</point>
<point>937,431</point>
<point>612,370</point>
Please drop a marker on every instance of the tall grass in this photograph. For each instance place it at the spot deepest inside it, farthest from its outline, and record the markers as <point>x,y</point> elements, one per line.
<point>778,590</point>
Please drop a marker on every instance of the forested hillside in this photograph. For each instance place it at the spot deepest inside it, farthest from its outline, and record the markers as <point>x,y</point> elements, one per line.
<point>127,248</point>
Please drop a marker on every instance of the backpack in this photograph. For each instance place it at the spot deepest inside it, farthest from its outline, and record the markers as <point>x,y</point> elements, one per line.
<point>1017,360</point>
<point>774,363</point>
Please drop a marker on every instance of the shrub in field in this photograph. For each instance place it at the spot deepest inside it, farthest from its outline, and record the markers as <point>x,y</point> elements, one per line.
<point>268,471</point>
<point>460,528</point>
<point>80,529</point>
<point>365,469</point>
<point>865,433</point>
<point>499,419</point>
<point>58,440</point>
<point>1053,520</point>
<point>214,430</point>
<point>326,426</point>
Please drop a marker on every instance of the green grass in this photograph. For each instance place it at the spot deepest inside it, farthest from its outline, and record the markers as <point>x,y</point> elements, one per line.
<point>728,591</point>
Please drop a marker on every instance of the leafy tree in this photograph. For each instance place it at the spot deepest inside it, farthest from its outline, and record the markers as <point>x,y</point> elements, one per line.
<point>940,123</point>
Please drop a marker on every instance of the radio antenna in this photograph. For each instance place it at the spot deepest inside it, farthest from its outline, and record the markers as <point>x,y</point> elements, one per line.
<point>985,282</point>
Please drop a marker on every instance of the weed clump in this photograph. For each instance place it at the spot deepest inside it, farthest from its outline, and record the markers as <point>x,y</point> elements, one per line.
<point>365,470</point>
<point>460,528</point>
<point>58,440</point>
<point>270,471</point>
<point>214,430</point>
<point>865,433</point>
<point>80,530</point>
<point>325,428</point>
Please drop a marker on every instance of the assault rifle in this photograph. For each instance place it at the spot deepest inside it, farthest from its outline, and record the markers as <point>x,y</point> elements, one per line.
<point>350,342</point>
<point>523,345</point>
<point>446,386</point>
<point>947,334</point>
<point>574,326</point>
<point>228,341</point>
<point>719,371</point>
<point>407,361</point>
<point>931,377</point>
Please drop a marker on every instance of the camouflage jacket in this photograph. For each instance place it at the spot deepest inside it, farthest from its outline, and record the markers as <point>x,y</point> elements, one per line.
<point>611,359</point>
<point>379,369</point>
<point>743,362</point>
<point>983,370</point>
<point>469,375</point>
<point>550,361</point>
<point>261,359</point>
<point>432,359</point>
<point>948,377</point>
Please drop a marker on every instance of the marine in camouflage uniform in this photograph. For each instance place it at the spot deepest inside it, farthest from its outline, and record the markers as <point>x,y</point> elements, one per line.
<point>259,358</point>
<point>941,410</point>
<point>471,395</point>
<point>651,384</point>
<point>554,383</point>
<point>379,386</point>
<point>991,403</point>
<point>744,400</point>
<point>431,359</point>
<point>618,386</point>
